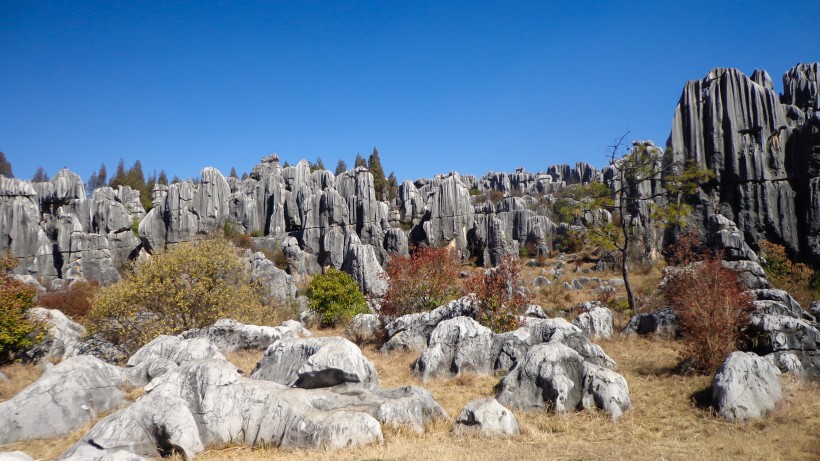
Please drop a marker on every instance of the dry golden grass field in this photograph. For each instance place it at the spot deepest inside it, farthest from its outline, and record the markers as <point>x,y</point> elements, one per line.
<point>667,421</point>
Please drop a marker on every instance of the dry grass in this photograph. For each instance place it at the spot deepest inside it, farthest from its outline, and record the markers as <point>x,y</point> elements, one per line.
<point>19,376</point>
<point>665,423</point>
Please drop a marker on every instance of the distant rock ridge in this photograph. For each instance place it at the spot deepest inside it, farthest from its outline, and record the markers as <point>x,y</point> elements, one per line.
<point>764,149</point>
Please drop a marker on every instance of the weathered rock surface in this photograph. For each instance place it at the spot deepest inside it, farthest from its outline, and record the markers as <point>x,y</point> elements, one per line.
<point>66,397</point>
<point>229,335</point>
<point>61,335</point>
<point>456,346</point>
<point>207,402</point>
<point>556,377</point>
<point>175,349</point>
<point>745,386</point>
<point>763,149</point>
<point>365,328</point>
<point>279,283</point>
<point>663,323</point>
<point>411,332</point>
<point>311,363</point>
<point>486,417</point>
<point>594,320</point>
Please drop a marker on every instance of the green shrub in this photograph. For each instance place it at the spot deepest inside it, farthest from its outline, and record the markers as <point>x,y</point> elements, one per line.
<point>16,331</point>
<point>188,285</point>
<point>336,297</point>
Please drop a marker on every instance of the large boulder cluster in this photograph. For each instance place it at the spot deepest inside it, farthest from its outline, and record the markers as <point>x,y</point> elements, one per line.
<point>452,343</point>
<point>305,393</point>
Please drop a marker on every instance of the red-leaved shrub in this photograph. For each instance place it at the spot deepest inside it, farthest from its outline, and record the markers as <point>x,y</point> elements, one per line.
<point>75,301</point>
<point>422,281</point>
<point>500,296</point>
<point>713,306</point>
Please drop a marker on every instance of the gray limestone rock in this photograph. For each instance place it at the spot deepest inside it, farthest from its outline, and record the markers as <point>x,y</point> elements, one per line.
<point>278,282</point>
<point>15,456</point>
<point>176,349</point>
<point>211,199</point>
<point>61,338</point>
<point>745,386</point>
<point>361,263</point>
<point>663,323</point>
<point>229,335</point>
<point>67,396</point>
<point>594,320</point>
<point>365,328</point>
<point>456,346</point>
<point>555,377</point>
<point>311,363</point>
<point>411,331</point>
<point>486,417</point>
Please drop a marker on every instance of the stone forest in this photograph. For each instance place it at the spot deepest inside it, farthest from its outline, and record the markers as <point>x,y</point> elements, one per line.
<point>663,306</point>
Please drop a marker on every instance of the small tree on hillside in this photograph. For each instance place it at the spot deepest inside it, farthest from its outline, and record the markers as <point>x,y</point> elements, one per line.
<point>634,188</point>
<point>374,165</point>
<point>40,175</point>
<point>5,166</point>
<point>359,161</point>
<point>424,280</point>
<point>341,167</point>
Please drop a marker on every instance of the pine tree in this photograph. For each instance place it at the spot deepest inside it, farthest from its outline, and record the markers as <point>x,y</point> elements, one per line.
<point>5,166</point>
<point>162,178</point>
<point>359,161</point>
<point>320,165</point>
<point>102,176</point>
<point>93,183</point>
<point>392,187</point>
<point>233,173</point>
<point>40,175</point>
<point>244,176</point>
<point>374,165</point>
<point>286,164</point>
<point>119,178</point>
<point>341,167</point>
<point>175,180</point>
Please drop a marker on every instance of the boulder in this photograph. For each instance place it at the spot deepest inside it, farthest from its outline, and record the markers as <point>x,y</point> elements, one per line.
<point>311,363</point>
<point>594,320</point>
<point>66,397</point>
<point>62,335</point>
<point>487,417</point>
<point>365,328</point>
<point>556,377</point>
<point>411,331</point>
<point>207,403</point>
<point>663,323</point>
<point>361,263</point>
<point>15,456</point>
<point>176,349</point>
<point>456,346</point>
<point>745,386</point>
<point>229,335</point>
<point>278,282</point>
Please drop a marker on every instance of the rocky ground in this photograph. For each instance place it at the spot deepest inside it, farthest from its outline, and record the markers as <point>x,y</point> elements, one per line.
<point>670,415</point>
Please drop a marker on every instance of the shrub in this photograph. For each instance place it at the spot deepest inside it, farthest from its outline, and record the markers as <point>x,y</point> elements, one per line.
<point>424,280</point>
<point>713,306</point>
<point>188,285</point>
<point>16,297</point>
<point>75,301</point>
<point>336,297</point>
<point>570,241</point>
<point>687,249</point>
<point>500,298</point>
<point>797,278</point>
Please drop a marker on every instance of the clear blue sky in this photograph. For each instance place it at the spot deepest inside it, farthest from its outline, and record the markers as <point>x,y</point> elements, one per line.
<point>436,86</point>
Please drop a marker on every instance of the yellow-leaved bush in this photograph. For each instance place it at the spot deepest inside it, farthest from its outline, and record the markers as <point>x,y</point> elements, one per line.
<point>188,285</point>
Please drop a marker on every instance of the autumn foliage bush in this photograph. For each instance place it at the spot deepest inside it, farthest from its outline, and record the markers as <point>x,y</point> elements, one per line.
<point>712,306</point>
<point>499,295</point>
<point>422,281</point>
<point>16,297</point>
<point>798,279</point>
<point>188,285</point>
<point>75,301</point>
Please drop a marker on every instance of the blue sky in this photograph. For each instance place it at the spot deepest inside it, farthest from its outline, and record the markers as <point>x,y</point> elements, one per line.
<point>436,86</point>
